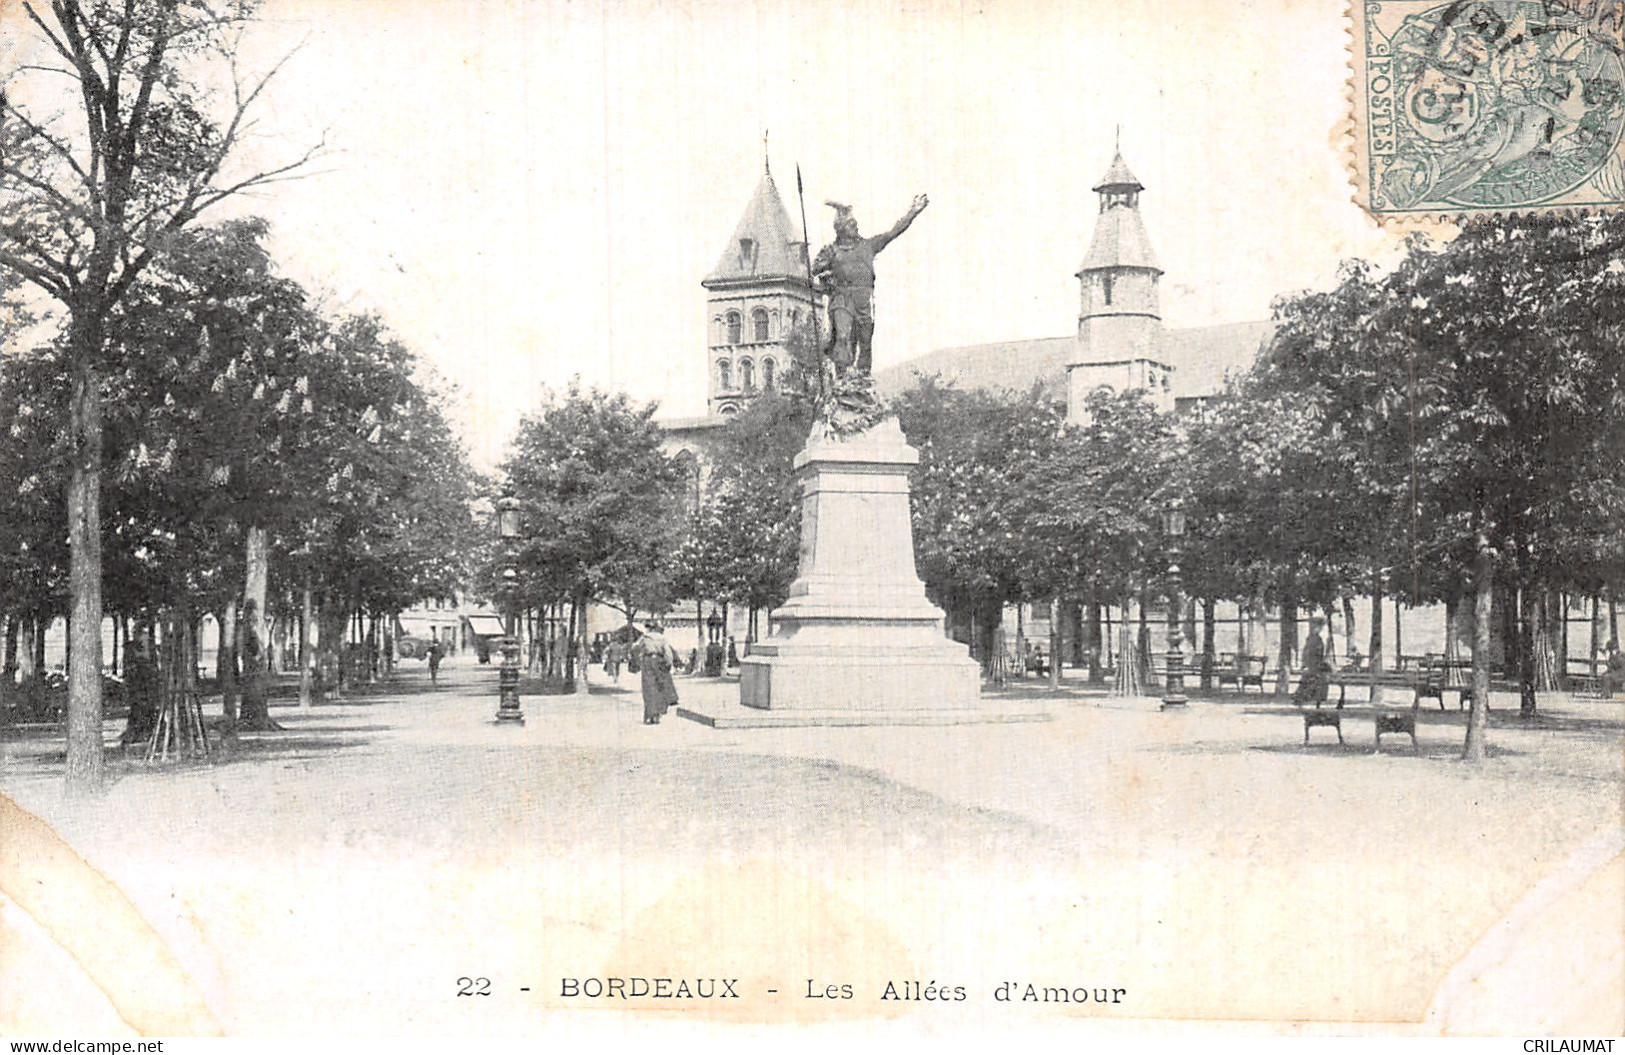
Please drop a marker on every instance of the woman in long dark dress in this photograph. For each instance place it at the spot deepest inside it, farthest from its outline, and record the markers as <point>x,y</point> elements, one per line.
<point>1313,686</point>
<point>656,658</point>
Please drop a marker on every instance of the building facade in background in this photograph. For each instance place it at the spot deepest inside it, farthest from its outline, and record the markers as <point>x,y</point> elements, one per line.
<point>1120,341</point>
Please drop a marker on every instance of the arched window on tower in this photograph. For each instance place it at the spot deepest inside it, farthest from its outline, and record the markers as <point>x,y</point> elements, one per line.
<point>769,375</point>
<point>747,376</point>
<point>1106,288</point>
<point>735,326</point>
<point>758,319</point>
<point>725,375</point>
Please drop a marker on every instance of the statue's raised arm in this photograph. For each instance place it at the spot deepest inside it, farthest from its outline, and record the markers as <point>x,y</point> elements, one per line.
<point>920,202</point>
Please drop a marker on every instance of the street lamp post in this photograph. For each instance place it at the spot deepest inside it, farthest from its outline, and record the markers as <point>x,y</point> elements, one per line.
<point>1173,526</point>
<point>714,653</point>
<point>508,709</point>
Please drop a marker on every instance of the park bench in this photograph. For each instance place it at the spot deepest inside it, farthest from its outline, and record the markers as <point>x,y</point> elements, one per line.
<point>1387,679</point>
<point>1588,681</point>
<point>1241,671</point>
<point>1397,720</point>
<point>1332,717</point>
<point>1432,682</point>
<point>1585,685</point>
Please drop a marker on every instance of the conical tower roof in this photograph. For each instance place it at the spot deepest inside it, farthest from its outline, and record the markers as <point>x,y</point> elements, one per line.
<point>764,245</point>
<point>1118,177</point>
<point>1120,237</point>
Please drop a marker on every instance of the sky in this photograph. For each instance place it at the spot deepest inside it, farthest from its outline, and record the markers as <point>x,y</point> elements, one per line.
<point>530,190</point>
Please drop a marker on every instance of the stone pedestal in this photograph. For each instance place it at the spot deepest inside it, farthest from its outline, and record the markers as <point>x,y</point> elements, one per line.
<point>857,633</point>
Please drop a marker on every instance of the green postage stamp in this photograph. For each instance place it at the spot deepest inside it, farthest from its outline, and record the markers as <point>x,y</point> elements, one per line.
<point>1467,106</point>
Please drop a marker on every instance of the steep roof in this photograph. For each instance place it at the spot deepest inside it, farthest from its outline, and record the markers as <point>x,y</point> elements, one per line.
<point>1200,358</point>
<point>1120,241</point>
<point>1118,177</point>
<point>776,250</point>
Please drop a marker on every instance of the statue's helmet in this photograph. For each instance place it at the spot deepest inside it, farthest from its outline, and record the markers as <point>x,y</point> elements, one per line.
<point>844,219</point>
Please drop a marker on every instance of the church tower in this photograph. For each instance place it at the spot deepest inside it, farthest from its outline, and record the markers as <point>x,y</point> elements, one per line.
<point>755,296</point>
<point>1119,320</point>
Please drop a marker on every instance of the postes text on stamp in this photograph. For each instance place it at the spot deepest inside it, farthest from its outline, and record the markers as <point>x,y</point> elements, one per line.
<point>1464,106</point>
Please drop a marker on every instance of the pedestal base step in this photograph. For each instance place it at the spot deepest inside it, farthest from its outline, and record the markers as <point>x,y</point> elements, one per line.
<point>737,716</point>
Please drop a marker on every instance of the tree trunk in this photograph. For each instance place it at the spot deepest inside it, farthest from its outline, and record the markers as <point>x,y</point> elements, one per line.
<point>42,625</point>
<point>1208,626</point>
<point>1483,597</point>
<point>370,647</point>
<point>332,626</point>
<point>255,711</point>
<point>256,575</point>
<point>1376,638</point>
<point>1348,628</point>
<point>1021,640</point>
<point>307,612</point>
<point>1288,647</point>
<point>1055,643</point>
<point>9,675</point>
<point>1143,642</point>
<point>1092,632</point>
<point>389,642</point>
<point>1511,633</point>
<point>1558,625</point>
<point>1596,629</point>
<point>1399,647</point>
<point>1526,650</point>
<point>582,687</point>
<point>225,659</point>
<point>85,762</point>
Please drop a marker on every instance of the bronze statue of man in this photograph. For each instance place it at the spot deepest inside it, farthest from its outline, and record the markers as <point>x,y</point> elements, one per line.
<point>846,271</point>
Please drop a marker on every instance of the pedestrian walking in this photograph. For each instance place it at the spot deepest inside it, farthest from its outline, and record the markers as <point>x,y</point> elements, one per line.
<point>612,660</point>
<point>656,657</point>
<point>1312,685</point>
<point>436,650</point>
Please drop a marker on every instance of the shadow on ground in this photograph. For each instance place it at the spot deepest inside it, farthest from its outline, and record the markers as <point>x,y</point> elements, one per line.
<point>1392,744</point>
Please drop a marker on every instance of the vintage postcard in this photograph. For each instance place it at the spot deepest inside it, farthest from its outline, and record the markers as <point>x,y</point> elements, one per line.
<point>841,522</point>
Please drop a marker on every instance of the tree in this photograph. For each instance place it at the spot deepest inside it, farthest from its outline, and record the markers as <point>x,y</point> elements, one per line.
<point>86,209</point>
<point>1516,329</point>
<point>748,533</point>
<point>1299,474</point>
<point>1088,501</point>
<point>601,502</point>
<point>967,495</point>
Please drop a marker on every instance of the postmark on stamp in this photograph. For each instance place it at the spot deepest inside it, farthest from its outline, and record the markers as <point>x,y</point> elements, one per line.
<point>1464,106</point>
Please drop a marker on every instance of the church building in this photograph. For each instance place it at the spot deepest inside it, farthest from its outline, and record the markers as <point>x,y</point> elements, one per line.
<point>1120,342</point>
<point>754,297</point>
